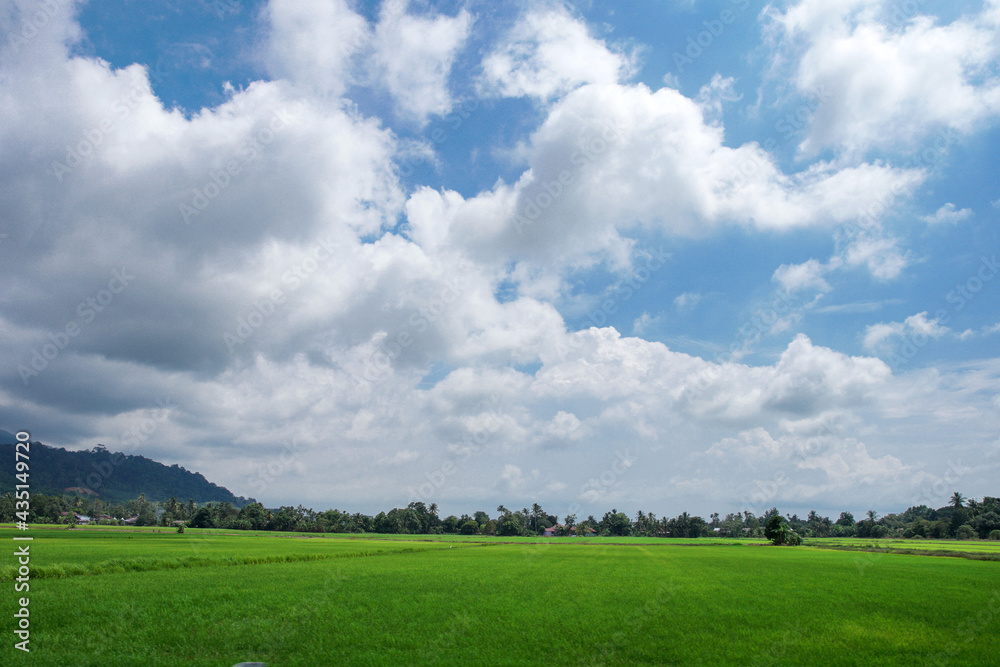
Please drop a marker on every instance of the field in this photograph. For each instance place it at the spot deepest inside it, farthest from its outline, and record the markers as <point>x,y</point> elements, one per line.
<point>137,597</point>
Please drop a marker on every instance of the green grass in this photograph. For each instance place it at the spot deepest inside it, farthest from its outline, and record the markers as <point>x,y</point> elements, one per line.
<point>973,549</point>
<point>482,601</point>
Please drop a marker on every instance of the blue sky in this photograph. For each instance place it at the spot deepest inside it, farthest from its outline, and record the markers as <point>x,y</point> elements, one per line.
<point>695,256</point>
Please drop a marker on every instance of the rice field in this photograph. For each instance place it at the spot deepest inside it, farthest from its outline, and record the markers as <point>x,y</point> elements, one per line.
<point>216,598</point>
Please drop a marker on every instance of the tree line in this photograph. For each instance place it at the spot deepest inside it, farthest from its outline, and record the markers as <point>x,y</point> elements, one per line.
<point>960,519</point>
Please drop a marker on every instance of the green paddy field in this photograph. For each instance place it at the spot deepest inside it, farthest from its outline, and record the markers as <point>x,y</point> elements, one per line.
<point>138,597</point>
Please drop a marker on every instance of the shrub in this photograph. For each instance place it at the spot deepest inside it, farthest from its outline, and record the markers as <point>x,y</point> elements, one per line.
<point>966,532</point>
<point>994,535</point>
<point>778,531</point>
<point>180,529</point>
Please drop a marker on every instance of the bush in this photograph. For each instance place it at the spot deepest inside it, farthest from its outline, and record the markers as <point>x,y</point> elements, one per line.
<point>994,535</point>
<point>180,529</point>
<point>778,531</point>
<point>966,532</point>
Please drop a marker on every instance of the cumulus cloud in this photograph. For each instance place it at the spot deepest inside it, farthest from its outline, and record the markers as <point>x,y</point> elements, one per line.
<point>583,194</point>
<point>930,76</point>
<point>687,301</point>
<point>947,214</point>
<point>414,55</point>
<point>549,53</point>
<point>311,44</point>
<point>319,334</point>
<point>882,335</point>
<point>795,277</point>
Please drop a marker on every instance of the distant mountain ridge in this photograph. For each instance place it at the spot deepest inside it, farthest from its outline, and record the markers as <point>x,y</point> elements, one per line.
<point>112,476</point>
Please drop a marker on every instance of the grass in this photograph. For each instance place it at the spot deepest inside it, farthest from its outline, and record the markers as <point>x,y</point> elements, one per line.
<point>971,549</point>
<point>485,601</point>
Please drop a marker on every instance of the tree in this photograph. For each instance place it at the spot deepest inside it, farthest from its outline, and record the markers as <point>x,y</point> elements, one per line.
<point>470,528</point>
<point>987,523</point>
<point>616,523</point>
<point>956,499</point>
<point>965,532</point>
<point>255,515</point>
<point>510,524</point>
<point>776,529</point>
<point>203,518</point>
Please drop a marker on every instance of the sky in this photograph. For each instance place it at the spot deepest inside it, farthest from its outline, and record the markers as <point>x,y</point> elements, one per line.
<point>662,256</point>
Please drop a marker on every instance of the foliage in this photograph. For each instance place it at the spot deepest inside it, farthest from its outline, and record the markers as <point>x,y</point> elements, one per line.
<point>778,531</point>
<point>114,477</point>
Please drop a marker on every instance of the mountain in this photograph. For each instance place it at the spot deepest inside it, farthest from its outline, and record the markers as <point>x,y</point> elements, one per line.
<point>112,476</point>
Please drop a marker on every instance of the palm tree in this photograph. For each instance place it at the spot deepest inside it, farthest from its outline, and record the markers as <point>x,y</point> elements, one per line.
<point>973,506</point>
<point>957,499</point>
<point>872,516</point>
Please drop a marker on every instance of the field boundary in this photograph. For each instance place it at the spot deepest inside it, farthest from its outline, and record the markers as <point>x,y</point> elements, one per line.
<point>144,564</point>
<point>942,553</point>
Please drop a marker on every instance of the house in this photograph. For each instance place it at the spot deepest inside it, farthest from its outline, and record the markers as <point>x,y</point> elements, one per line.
<point>131,520</point>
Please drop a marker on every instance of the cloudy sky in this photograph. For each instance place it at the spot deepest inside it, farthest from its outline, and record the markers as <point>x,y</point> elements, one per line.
<point>672,256</point>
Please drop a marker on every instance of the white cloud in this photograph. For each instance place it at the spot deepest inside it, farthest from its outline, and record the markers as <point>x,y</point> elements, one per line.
<point>414,56</point>
<point>610,159</point>
<point>883,335</point>
<point>389,364</point>
<point>312,44</point>
<point>795,277</point>
<point>947,214</point>
<point>711,96</point>
<point>876,251</point>
<point>645,323</point>
<point>549,53</point>
<point>687,301</point>
<point>893,75</point>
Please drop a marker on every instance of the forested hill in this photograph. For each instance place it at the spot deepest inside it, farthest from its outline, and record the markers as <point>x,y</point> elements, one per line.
<point>111,476</point>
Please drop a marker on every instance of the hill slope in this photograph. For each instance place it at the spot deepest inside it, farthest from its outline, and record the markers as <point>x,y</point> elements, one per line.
<point>112,476</point>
